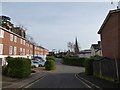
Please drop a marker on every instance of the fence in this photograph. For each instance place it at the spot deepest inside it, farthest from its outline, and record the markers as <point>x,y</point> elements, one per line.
<point>105,68</point>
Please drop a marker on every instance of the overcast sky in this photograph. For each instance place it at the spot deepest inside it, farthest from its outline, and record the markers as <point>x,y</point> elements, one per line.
<point>54,24</point>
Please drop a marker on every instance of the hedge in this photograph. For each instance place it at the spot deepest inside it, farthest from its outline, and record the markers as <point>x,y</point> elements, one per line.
<point>19,67</point>
<point>89,66</point>
<point>50,65</point>
<point>74,61</point>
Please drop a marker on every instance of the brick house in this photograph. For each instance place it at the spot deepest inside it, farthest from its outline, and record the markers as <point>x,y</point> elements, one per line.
<point>14,43</point>
<point>110,35</point>
<point>110,43</point>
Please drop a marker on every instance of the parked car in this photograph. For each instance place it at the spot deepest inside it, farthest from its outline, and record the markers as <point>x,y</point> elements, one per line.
<point>41,62</point>
<point>34,63</point>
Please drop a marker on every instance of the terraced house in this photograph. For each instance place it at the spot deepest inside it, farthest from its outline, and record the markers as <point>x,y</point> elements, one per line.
<point>13,42</point>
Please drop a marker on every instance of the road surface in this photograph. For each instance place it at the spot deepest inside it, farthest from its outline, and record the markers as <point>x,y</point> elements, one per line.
<point>62,77</point>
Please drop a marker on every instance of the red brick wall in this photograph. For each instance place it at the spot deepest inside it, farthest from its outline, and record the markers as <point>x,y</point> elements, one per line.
<point>7,43</point>
<point>28,46</point>
<point>119,35</point>
<point>110,38</point>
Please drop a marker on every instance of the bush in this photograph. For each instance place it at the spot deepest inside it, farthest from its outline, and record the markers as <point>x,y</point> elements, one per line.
<point>50,58</point>
<point>19,67</point>
<point>33,66</point>
<point>5,70</point>
<point>50,65</point>
<point>89,67</point>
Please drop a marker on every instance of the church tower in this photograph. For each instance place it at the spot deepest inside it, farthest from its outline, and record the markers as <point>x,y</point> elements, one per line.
<point>76,47</point>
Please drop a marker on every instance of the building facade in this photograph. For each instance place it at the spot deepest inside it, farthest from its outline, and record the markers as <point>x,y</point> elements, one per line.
<point>85,53</point>
<point>96,49</point>
<point>110,35</point>
<point>14,43</point>
<point>110,42</point>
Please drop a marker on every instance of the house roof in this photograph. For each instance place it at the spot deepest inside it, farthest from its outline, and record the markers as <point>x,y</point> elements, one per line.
<point>95,46</point>
<point>108,16</point>
<point>11,32</point>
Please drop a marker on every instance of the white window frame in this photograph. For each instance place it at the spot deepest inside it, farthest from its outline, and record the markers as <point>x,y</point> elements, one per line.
<point>27,51</point>
<point>1,48</point>
<point>11,37</point>
<point>30,46</point>
<point>1,33</point>
<point>24,51</point>
<point>15,50</point>
<point>21,51</point>
<point>15,38</point>
<point>24,42</point>
<point>10,50</point>
<point>21,41</point>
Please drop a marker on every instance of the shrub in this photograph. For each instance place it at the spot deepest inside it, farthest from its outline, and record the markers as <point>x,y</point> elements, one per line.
<point>50,65</point>
<point>50,58</point>
<point>89,66</point>
<point>33,66</point>
<point>5,70</point>
<point>19,67</point>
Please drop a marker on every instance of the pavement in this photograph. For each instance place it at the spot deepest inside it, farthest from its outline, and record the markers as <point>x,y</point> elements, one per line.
<point>97,83</point>
<point>21,83</point>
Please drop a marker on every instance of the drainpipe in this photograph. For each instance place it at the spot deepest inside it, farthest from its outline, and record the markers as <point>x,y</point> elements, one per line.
<point>33,50</point>
<point>117,72</point>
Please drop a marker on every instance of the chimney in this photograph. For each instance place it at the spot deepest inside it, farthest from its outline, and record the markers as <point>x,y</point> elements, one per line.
<point>118,5</point>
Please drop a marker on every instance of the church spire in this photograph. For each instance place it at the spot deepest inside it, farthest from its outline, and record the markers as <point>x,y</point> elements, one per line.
<point>76,46</point>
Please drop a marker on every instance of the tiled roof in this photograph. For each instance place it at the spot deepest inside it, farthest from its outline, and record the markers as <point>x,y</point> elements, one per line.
<point>108,16</point>
<point>95,46</point>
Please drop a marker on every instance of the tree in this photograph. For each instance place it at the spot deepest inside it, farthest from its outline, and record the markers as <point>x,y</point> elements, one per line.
<point>30,38</point>
<point>70,46</point>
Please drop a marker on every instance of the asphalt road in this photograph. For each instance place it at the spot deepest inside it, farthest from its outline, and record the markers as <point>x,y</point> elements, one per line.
<point>62,77</point>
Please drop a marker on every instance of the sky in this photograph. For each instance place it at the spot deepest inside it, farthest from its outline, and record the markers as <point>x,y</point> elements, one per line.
<point>54,24</point>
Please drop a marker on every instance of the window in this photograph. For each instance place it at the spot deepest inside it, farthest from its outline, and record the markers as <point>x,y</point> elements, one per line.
<point>24,42</point>
<point>1,33</point>
<point>21,41</point>
<point>15,38</point>
<point>1,48</point>
<point>20,51</point>
<point>15,50</point>
<point>11,37</point>
<point>30,46</point>
<point>30,51</point>
<point>24,51</point>
<point>10,50</point>
<point>27,51</point>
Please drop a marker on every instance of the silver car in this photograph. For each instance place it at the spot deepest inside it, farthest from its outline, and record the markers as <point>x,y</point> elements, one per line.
<point>34,63</point>
<point>41,62</point>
